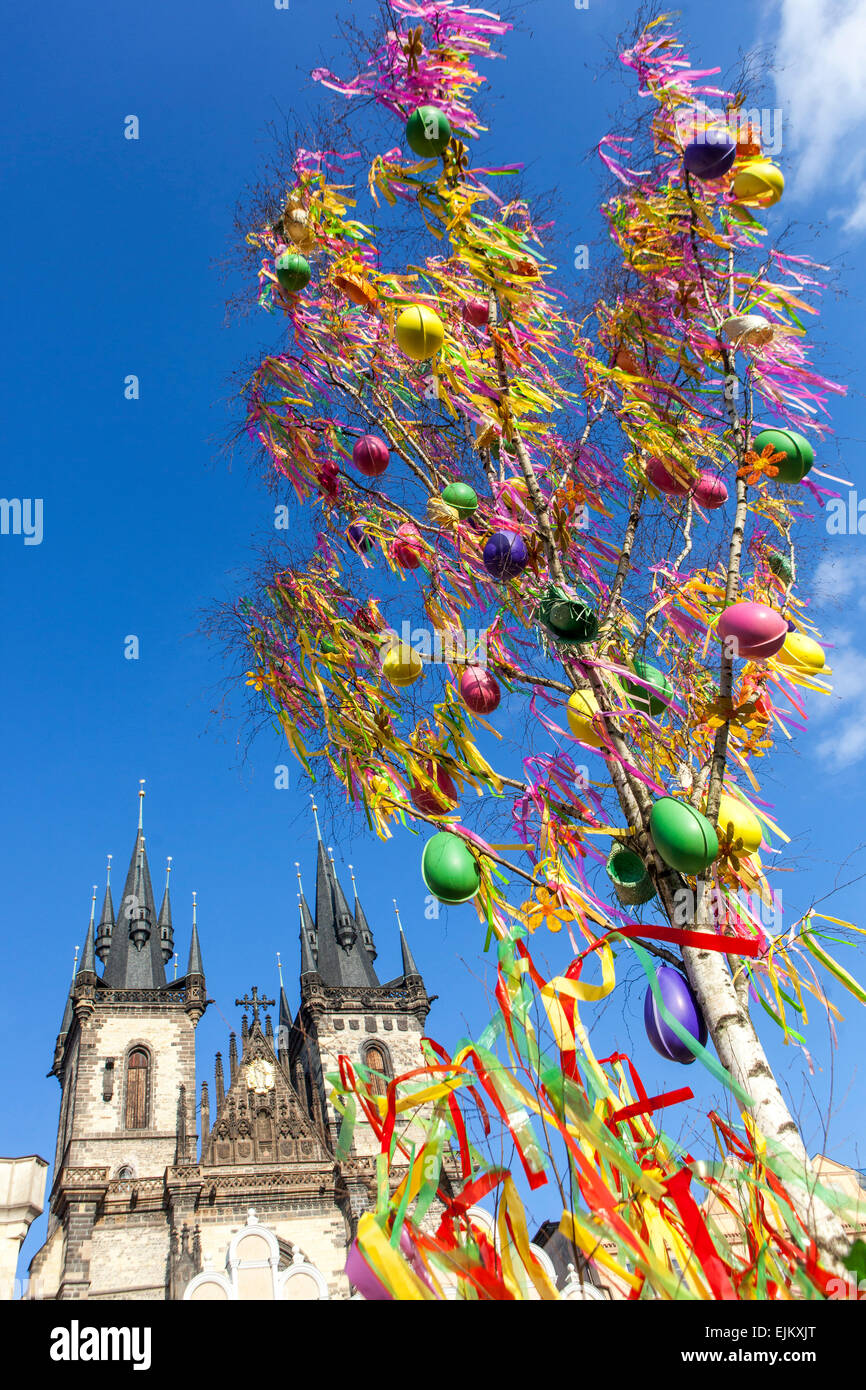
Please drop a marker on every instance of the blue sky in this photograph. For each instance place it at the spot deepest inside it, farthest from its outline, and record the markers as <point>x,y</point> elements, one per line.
<point>109,258</point>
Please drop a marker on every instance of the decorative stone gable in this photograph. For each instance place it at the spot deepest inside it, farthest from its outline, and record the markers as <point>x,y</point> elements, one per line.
<point>262,1119</point>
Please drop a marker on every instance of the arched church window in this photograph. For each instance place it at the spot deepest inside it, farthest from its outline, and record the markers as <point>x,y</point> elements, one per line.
<point>137,1072</point>
<point>377,1059</point>
<point>125,1172</point>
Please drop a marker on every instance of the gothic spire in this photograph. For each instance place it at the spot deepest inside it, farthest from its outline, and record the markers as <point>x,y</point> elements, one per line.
<point>409,966</point>
<point>284,1026</point>
<point>194,965</point>
<point>88,956</point>
<point>361,923</point>
<point>106,921</point>
<point>66,1021</point>
<point>166,932</point>
<point>308,938</point>
<point>135,957</point>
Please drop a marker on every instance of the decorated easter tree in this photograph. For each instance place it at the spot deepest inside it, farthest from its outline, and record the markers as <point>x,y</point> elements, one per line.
<point>590,520</point>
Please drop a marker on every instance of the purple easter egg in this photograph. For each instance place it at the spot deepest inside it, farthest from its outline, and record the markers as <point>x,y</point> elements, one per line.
<point>359,1273</point>
<point>679,999</point>
<point>358,537</point>
<point>710,159</point>
<point>505,555</point>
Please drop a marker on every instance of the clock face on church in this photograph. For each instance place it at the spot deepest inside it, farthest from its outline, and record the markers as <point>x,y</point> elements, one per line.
<point>260,1075</point>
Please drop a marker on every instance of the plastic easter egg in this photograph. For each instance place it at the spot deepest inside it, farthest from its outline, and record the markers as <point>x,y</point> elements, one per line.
<point>327,645</point>
<point>358,538</point>
<point>748,330</point>
<point>428,801</point>
<point>368,1284</point>
<point>401,664</point>
<point>581,708</point>
<point>735,815</point>
<point>666,482</point>
<point>802,653</point>
<point>711,157</point>
<point>710,490</point>
<point>476,312</point>
<point>567,616</point>
<point>505,555</point>
<point>755,631</point>
<point>462,498</point>
<point>645,700</point>
<point>370,455</point>
<point>293,271</point>
<point>759,184</point>
<point>449,868</point>
<point>428,132</point>
<point>479,690</point>
<point>799,454</point>
<point>679,999</point>
<point>779,564</point>
<point>684,838</point>
<point>406,548</point>
<point>419,332</point>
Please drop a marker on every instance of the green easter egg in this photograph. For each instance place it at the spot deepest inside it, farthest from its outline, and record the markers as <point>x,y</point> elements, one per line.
<point>449,868</point>
<point>462,498</point>
<point>428,131</point>
<point>684,838</point>
<point>799,454</point>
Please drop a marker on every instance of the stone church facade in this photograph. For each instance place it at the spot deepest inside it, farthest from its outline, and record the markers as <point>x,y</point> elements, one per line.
<point>259,1207</point>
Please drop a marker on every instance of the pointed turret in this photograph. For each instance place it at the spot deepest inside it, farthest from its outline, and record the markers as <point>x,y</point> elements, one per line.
<point>135,958</point>
<point>166,932</point>
<point>361,923</point>
<point>65,1022</point>
<point>284,1026</point>
<point>196,994</point>
<point>409,967</point>
<point>106,921</point>
<point>309,938</point>
<point>87,968</point>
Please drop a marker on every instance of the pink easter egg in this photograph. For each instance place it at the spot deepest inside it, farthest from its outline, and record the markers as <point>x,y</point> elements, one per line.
<point>710,490</point>
<point>479,690</point>
<point>660,478</point>
<point>758,631</point>
<point>406,547</point>
<point>370,455</point>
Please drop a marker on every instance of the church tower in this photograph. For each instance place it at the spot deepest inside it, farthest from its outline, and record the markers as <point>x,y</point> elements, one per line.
<point>125,1060</point>
<point>345,1008</point>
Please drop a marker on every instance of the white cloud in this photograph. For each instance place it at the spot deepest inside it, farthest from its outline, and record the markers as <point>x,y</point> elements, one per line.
<point>820,54</point>
<point>838,592</point>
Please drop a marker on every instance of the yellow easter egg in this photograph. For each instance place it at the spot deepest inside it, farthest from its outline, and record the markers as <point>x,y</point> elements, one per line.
<point>580,709</point>
<point>745,823</point>
<point>402,665</point>
<point>758,184</point>
<point>802,653</point>
<point>419,332</point>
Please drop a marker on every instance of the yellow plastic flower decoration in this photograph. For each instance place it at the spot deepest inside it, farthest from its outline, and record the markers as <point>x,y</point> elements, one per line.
<point>545,909</point>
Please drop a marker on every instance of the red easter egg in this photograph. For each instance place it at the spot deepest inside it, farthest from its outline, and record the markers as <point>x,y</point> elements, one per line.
<point>475,311</point>
<point>710,490</point>
<point>479,690</point>
<point>370,455</point>
<point>660,478</point>
<point>429,802</point>
<point>758,631</point>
